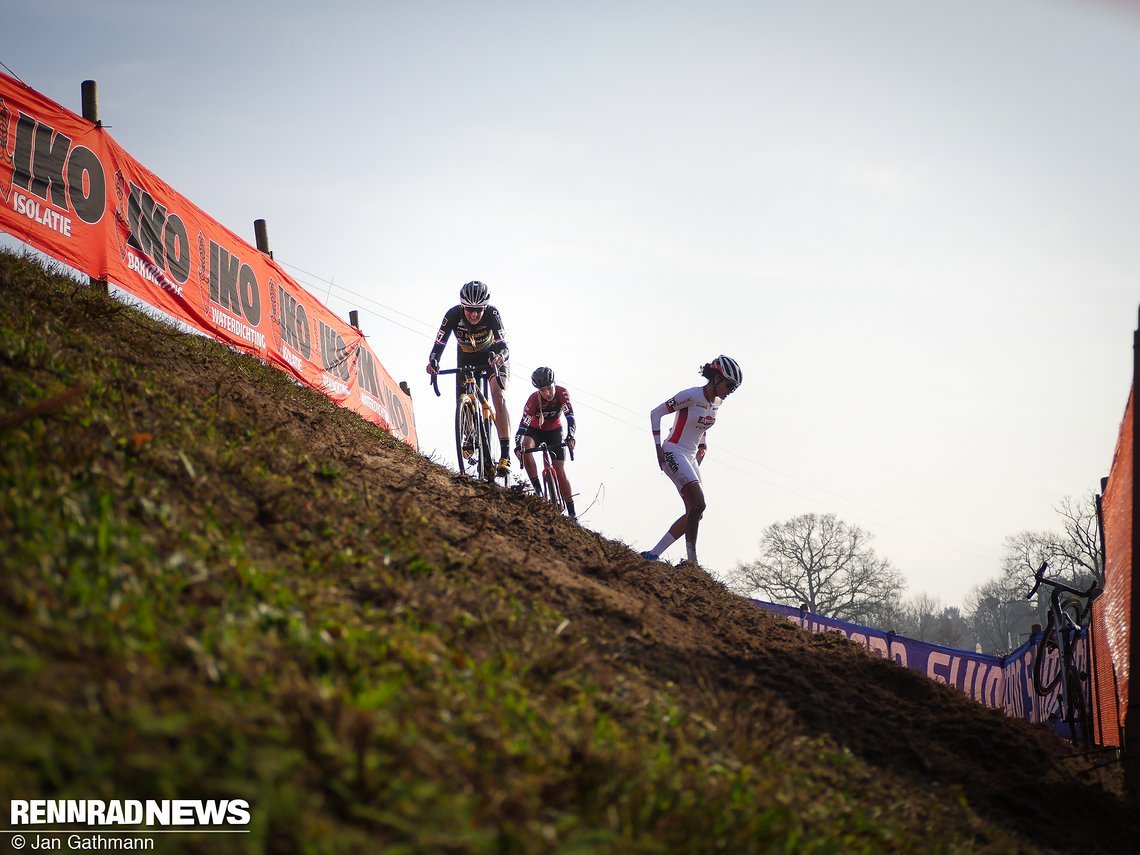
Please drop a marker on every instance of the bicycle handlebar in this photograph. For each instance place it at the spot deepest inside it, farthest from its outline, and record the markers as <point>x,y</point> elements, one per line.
<point>1059,587</point>
<point>1037,577</point>
<point>474,370</point>
<point>544,447</point>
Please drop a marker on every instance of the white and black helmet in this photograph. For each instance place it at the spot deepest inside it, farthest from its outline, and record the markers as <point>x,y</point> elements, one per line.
<point>728,368</point>
<point>542,377</point>
<point>474,295</point>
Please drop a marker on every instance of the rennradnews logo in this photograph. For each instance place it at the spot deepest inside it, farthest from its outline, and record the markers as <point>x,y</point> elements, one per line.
<point>157,813</point>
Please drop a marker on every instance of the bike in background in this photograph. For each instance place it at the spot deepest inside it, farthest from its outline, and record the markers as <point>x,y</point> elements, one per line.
<point>1068,609</point>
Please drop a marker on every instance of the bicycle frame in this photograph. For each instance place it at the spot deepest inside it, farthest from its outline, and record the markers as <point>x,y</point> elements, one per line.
<point>473,399</point>
<point>549,474</point>
<point>1061,633</point>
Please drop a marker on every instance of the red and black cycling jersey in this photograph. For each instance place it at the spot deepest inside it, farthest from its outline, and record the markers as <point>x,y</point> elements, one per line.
<point>484,336</point>
<point>539,414</point>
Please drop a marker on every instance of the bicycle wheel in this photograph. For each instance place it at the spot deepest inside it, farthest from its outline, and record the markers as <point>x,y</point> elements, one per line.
<point>1043,681</point>
<point>550,487</point>
<point>468,449</point>
<point>488,470</point>
<point>1077,712</point>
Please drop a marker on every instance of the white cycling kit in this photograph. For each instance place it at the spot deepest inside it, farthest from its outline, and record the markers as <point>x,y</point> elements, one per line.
<point>695,415</point>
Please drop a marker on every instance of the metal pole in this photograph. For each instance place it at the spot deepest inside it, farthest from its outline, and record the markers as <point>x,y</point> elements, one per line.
<point>261,235</point>
<point>89,93</point>
<point>89,96</point>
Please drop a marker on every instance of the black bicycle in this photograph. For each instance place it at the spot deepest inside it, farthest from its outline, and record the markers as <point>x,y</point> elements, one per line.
<point>474,420</point>
<point>1054,662</point>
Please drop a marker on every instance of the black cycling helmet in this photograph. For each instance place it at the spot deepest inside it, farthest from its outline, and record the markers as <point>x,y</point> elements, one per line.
<point>541,377</point>
<point>474,295</point>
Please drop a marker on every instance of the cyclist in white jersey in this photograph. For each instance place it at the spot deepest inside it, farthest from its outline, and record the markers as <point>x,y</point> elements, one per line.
<point>681,454</point>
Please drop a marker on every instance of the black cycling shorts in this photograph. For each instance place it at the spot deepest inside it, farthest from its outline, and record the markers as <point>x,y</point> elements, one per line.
<point>552,438</point>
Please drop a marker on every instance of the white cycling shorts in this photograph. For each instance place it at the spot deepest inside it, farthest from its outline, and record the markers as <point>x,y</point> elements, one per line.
<point>681,468</point>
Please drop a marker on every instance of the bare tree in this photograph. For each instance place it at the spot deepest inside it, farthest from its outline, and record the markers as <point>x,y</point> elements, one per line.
<point>1073,555</point>
<point>951,629</point>
<point>1000,614</point>
<point>825,563</point>
<point>920,616</point>
<point>1081,547</point>
<point>887,612</point>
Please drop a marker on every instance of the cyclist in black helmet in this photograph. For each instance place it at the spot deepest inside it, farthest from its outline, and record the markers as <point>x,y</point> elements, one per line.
<point>481,341</point>
<point>542,422</point>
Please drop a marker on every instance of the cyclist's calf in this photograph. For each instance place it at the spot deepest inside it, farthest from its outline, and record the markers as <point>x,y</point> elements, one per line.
<point>694,498</point>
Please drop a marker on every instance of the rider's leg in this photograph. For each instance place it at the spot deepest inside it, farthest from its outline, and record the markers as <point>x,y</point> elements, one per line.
<point>502,417</point>
<point>672,535</point>
<point>529,465</point>
<point>683,472</point>
<point>694,497</point>
<point>686,524</point>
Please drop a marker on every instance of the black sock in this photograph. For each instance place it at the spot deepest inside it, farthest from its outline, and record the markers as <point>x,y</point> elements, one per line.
<point>570,509</point>
<point>503,443</point>
<point>537,486</point>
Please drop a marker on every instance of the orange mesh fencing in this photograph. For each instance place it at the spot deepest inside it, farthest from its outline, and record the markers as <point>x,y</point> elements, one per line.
<point>1111,611</point>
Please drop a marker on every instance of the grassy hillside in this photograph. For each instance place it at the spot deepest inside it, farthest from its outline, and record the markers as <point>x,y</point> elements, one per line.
<point>215,584</point>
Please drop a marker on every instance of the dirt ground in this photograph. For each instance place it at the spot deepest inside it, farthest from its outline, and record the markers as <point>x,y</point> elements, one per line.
<point>682,625</point>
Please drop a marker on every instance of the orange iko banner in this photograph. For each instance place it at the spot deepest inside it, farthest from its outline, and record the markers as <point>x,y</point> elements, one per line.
<point>70,191</point>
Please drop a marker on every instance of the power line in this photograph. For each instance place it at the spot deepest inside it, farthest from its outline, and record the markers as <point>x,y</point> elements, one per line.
<point>10,71</point>
<point>358,295</point>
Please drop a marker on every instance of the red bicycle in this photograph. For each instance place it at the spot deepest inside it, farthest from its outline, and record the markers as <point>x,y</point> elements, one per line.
<point>549,478</point>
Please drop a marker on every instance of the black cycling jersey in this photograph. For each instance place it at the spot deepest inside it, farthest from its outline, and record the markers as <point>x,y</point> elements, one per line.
<point>485,336</point>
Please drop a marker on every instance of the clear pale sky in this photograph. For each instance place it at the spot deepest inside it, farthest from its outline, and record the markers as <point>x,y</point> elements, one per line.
<point>913,224</point>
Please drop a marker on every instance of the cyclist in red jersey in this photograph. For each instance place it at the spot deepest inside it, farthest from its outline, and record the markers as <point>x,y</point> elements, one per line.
<point>480,340</point>
<point>681,454</point>
<point>542,422</point>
